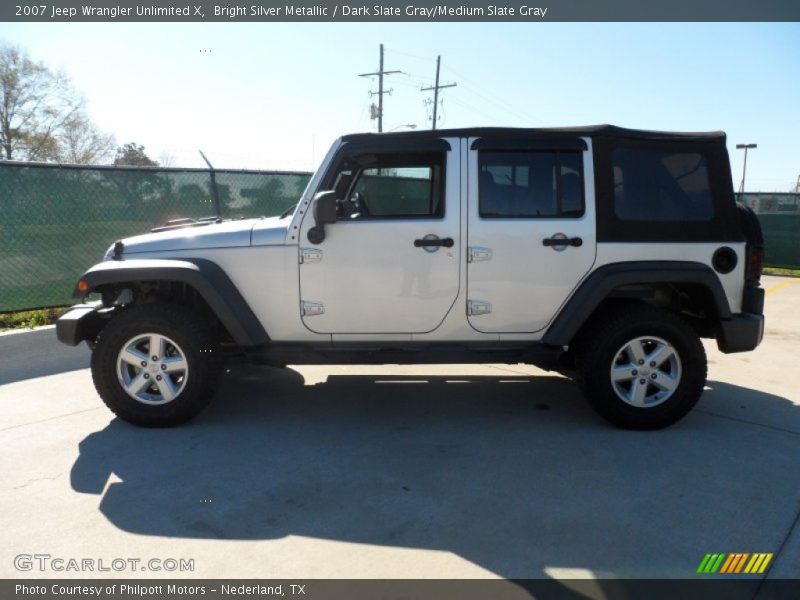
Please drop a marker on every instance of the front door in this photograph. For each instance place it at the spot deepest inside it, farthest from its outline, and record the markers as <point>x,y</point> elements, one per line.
<point>531,230</point>
<point>390,263</point>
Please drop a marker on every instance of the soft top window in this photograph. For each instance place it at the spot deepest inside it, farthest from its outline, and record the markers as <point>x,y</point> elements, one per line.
<point>655,185</point>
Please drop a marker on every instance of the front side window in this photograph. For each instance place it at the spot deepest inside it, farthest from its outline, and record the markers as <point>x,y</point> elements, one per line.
<point>519,184</point>
<point>654,185</point>
<point>390,186</point>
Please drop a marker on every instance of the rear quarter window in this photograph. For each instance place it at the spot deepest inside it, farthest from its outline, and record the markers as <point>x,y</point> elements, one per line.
<point>654,185</point>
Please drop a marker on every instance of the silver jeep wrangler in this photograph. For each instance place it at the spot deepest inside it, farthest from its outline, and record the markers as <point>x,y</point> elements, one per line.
<point>600,252</point>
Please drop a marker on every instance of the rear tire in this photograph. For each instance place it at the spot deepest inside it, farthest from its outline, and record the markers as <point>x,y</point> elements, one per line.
<point>156,365</point>
<point>641,367</point>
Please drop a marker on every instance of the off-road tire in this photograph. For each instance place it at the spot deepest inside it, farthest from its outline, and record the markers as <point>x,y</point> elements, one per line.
<point>597,347</point>
<point>197,341</point>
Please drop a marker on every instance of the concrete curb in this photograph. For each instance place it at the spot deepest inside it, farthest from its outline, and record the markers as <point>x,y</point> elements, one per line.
<point>25,330</point>
<point>29,353</point>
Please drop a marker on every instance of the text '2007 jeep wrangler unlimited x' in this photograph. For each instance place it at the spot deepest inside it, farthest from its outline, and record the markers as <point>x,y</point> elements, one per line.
<point>598,251</point>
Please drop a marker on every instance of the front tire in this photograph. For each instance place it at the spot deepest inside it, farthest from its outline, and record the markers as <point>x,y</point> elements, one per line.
<point>156,365</point>
<point>641,367</point>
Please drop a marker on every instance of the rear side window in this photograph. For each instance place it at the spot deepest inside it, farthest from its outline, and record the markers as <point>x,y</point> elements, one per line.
<point>653,185</point>
<point>525,184</point>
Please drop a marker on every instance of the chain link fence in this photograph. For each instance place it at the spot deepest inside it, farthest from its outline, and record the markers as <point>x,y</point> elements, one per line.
<point>57,220</point>
<point>779,215</point>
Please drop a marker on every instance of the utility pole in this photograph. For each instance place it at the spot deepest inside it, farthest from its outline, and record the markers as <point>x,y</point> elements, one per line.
<point>744,147</point>
<point>380,73</point>
<point>436,87</point>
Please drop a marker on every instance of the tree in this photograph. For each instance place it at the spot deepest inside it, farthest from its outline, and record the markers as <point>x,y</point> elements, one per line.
<point>83,143</point>
<point>166,159</point>
<point>42,116</point>
<point>133,154</point>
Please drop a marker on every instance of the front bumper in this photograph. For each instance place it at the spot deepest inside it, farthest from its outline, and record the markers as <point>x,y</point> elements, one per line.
<point>81,322</point>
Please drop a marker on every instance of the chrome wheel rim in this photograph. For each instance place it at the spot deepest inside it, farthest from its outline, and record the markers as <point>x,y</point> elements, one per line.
<point>646,371</point>
<point>152,369</point>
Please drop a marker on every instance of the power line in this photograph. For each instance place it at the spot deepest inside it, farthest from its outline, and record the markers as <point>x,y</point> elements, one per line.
<point>436,87</point>
<point>492,118</point>
<point>415,56</point>
<point>494,102</point>
<point>380,73</point>
<point>497,102</point>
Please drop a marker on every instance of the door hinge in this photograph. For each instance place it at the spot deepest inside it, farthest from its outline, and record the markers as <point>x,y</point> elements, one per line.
<point>477,254</point>
<point>478,307</point>
<point>311,309</point>
<point>310,255</point>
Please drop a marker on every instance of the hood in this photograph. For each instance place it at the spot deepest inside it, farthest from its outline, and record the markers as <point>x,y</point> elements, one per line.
<point>227,234</point>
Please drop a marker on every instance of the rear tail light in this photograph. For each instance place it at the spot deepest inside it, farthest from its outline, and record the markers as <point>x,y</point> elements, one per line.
<point>755,260</point>
<point>751,228</point>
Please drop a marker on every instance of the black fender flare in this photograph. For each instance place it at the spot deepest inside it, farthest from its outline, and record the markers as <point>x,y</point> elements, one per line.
<point>601,282</point>
<point>205,276</point>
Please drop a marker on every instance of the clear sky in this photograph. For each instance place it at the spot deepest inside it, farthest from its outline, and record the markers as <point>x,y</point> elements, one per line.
<point>276,95</point>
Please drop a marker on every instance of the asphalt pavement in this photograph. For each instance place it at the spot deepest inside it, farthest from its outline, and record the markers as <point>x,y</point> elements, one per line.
<point>403,472</point>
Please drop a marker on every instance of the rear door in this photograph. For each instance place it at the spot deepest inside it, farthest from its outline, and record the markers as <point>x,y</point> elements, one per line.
<point>531,229</point>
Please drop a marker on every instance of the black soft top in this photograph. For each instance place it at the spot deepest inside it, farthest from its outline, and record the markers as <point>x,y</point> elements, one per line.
<point>608,131</point>
<point>722,228</point>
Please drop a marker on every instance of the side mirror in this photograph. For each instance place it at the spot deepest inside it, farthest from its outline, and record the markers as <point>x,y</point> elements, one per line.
<point>324,213</point>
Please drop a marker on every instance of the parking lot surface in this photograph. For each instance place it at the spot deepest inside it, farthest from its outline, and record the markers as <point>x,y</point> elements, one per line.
<point>404,472</point>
